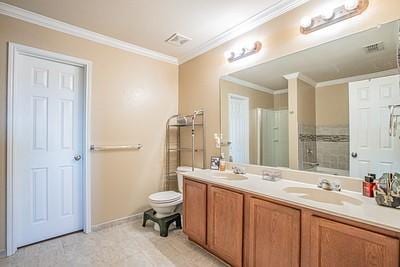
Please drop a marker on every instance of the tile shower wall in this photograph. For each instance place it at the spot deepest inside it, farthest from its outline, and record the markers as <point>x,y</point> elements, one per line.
<point>307,146</point>
<point>326,145</point>
<point>333,147</point>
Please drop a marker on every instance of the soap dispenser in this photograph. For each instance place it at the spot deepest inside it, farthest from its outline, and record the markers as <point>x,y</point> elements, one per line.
<point>222,163</point>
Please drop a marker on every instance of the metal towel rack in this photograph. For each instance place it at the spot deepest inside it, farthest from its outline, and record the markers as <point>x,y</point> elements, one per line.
<point>195,125</point>
<point>125,147</point>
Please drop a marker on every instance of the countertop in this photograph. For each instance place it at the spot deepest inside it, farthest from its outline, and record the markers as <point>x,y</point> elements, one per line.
<point>346,204</point>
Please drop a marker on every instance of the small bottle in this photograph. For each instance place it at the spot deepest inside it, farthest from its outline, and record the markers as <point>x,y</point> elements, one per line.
<point>374,181</point>
<point>368,186</point>
<point>222,164</point>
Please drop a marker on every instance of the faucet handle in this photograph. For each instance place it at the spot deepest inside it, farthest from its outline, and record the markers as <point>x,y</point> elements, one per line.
<point>238,170</point>
<point>322,182</point>
<point>337,186</point>
<point>328,185</point>
<point>271,175</point>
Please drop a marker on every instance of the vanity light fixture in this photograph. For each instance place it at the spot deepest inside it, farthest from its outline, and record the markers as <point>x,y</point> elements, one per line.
<point>237,54</point>
<point>329,17</point>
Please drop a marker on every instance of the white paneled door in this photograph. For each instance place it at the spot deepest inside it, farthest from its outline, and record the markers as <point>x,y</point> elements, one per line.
<point>48,136</point>
<point>239,128</point>
<point>372,149</point>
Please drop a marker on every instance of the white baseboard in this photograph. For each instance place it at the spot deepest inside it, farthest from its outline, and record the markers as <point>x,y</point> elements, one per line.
<point>115,222</point>
<point>3,253</point>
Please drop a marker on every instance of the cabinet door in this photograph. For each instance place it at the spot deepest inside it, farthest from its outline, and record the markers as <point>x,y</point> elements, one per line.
<point>336,244</point>
<point>225,224</point>
<point>195,211</point>
<point>273,235</point>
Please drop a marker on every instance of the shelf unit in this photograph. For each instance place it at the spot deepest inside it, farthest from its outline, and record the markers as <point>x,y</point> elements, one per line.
<point>174,148</point>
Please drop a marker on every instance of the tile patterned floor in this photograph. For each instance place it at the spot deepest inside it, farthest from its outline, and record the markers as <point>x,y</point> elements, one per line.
<point>127,244</point>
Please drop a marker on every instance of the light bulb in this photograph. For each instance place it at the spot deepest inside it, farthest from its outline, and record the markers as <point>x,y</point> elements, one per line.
<point>306,22</point>
<point>327,14</point>
<point>250,47</point>
<point>350,5</point>
<point>240,52</point>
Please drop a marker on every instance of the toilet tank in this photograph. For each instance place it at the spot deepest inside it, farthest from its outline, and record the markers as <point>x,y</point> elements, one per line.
<point>180,176</point>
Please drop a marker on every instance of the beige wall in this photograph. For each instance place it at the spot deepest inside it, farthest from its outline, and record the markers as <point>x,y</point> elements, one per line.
<point>257,99</point>
<point>281,101</point>
<point>132,97</point>
<point>305,104</point>
<point>199,77</point>
<point>332,105</point>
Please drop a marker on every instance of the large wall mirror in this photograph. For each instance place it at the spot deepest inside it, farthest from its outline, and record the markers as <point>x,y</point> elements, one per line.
<point>329,109</point>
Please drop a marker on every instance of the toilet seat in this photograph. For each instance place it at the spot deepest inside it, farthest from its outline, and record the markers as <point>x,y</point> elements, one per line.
<point>171,205</point>
<point>165,197</point>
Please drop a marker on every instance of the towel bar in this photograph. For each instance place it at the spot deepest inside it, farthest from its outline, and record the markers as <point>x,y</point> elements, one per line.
<point>125,147</point>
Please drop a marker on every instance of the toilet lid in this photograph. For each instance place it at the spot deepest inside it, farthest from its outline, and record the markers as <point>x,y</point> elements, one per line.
<point>165,197</point>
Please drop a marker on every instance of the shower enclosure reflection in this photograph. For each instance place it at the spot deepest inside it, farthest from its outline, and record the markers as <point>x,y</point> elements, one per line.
<point>255,123</point>
<point>272,137</point>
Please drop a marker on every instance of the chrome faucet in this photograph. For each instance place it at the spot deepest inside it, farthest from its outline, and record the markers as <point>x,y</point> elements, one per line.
<point>327,185</point>
<point>271,175</point>
<point>238,170</point>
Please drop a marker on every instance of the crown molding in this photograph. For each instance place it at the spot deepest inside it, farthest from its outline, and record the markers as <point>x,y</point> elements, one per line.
<point>307,79</point>
<point>359,78</point>
<point>302,77</point>
<point>34,18</point>
<point>253,85</point>
<point>282,91</point>
<point>291,76</point>
<point>264,16</point>
<point>247,84</point>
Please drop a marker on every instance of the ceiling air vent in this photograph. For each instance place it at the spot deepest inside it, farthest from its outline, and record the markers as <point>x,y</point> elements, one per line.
<point>178,39</point>
<point>373,48</point>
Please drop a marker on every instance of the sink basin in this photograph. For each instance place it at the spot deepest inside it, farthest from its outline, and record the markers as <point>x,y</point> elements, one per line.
<point>228,176</point>
<point>322,196</point>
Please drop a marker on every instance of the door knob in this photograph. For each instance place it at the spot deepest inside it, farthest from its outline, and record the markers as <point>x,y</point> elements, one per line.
<point>77,157</point>
<point>354,154</point>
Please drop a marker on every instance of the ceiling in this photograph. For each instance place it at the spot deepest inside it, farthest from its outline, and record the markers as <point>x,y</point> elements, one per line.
<point>331,61</point>
<point>147,23</point>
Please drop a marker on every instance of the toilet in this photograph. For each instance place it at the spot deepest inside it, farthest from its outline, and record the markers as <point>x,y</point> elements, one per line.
<point>166,203</point>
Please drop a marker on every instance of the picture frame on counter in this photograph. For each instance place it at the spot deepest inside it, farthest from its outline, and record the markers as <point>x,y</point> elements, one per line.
<point>215,161</point>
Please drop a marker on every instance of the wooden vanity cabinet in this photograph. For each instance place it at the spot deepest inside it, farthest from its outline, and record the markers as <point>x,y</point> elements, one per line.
<point>273,235</point>
<point>336,244</point>
<point>251,230</point>
<point>225,224</point>
<point>195,211</point>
